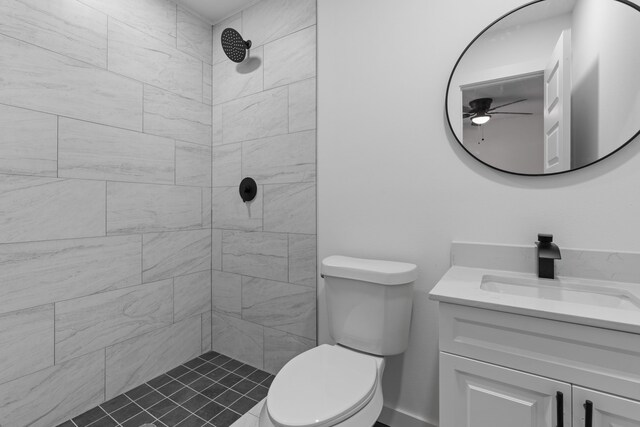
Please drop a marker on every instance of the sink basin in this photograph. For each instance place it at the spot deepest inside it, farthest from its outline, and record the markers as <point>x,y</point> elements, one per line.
<point>587,292</point>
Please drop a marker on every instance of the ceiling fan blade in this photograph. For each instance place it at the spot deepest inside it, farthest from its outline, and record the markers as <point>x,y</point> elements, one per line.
<point>504,105</point>
<point>466,115</point>
<point>522,114</point>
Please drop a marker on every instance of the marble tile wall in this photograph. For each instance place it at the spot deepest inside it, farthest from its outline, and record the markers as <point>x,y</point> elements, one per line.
<point>105,192</point>
<point>264,126</point>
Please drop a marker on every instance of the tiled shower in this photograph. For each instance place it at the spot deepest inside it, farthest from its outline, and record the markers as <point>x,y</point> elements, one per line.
<point>125,249</point>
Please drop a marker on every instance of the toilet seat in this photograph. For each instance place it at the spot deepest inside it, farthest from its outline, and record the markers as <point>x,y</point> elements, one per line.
<point>322,387</point>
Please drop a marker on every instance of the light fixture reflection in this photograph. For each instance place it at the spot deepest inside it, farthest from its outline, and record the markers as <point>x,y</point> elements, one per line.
<point>480,118</point>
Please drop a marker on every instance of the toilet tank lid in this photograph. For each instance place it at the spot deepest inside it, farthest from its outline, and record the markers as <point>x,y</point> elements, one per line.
<point>369,270</point>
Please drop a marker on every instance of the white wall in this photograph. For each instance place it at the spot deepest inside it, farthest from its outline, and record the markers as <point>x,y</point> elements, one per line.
<point>393,183</point>
<point>606,60</point>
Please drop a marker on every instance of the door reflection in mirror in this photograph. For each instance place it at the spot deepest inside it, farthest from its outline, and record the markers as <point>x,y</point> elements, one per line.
<point>551,87</point>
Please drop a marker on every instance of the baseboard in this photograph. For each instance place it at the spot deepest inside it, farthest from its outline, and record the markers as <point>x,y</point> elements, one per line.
<point>396,418</point>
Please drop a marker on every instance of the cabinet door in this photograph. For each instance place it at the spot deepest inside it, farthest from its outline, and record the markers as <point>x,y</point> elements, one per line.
<point>606,410</point>
<point>477,394</point>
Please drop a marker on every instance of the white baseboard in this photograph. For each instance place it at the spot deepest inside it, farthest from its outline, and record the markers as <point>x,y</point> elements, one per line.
<point>396,418</point>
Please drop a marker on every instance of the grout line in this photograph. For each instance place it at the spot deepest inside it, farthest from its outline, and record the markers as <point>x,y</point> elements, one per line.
<point>106,208</point>
<point>104,399</point>
<point>54,332</point>
<point>173,301</point>
<point>107,64</point>
<point>57,146</point>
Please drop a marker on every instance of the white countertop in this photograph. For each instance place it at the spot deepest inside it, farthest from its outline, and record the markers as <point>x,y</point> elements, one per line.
<point>462,285</point>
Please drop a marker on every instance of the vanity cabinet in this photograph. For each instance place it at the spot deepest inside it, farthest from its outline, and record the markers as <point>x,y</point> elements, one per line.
<point>477,394</point>
<point>607,410</point>
<point>502,369</point>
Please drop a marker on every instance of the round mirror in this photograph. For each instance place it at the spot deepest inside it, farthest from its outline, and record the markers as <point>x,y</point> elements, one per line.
<point>551,87</point>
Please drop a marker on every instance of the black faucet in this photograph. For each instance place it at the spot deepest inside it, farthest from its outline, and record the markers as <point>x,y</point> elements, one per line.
<point>547,253</point>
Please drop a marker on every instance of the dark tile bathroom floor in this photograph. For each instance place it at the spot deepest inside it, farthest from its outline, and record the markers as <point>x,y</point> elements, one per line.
<point>212,390</point>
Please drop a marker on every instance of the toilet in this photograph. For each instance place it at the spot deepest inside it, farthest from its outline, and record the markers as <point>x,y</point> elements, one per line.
<point>369,305</point>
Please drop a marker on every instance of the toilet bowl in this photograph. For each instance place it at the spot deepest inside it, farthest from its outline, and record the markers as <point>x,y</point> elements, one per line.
<point>326,386</point>
<point>369,306</point>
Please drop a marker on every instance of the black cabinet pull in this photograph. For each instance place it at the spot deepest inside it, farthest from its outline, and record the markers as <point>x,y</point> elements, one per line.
<point>588,413</point>
<point>560,409</point>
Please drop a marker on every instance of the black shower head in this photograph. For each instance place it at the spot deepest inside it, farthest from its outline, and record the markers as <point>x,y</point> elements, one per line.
<point>234,46</point>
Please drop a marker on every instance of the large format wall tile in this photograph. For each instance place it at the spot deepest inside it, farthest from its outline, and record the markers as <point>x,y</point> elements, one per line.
<point>227,165</point>
<point>193,164</point>
<point>231,80</point>
<point>290,208</point>
<point>28,143</point>
<point>87,324</point>
<point>206,332</point>
<point>226,292</point>
<point>26,342</point>
<point>264,126</point>
<point>239,339</point>
<point>235,22</point>
<point>47,397</point>
<point>269,20</point>
<point>216,249</point>
<point>64,26</point>
<point>144,208</point>
<point>231,213</point>
<point>136,361</point>
<point>279,305</point>
<point>194,36</point>
<point>290,59</point>
<point>255,254</point>
<point>48,208</point>
<point>256,116</point>
<point>302,105</point>
<point>206,208</point>
<point>38,79</point>
<point>43,272</point>
<point>146,59</point>
<point>281,159</point>
<point>217,125</point>
<point>88,150</point>
<point>207,84</point>
<point>174,116</point>
<point>302,259</point>
<point>154,17</point>
<point>172,254</point>
<point>280,347</point>
<point>192,295</point>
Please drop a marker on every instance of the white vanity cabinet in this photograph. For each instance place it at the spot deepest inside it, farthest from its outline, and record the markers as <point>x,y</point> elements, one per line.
<point>607,410</point>
<point>502,369</point>
<point>477,394</point>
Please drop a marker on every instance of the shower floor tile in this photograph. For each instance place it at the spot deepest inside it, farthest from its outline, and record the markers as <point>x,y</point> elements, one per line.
<point>211,390</point>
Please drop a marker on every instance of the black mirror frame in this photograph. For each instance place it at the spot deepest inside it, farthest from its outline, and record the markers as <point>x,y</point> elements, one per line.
<point>446,98</point>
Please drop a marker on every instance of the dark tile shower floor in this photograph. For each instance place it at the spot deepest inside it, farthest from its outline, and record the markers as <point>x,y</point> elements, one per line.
<point>211,390</point>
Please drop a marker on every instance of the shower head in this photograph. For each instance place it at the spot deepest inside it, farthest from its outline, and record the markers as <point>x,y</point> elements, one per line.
<point>233,45</point>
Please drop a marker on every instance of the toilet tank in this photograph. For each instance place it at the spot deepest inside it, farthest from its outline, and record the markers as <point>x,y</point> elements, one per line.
<point>369,303</point>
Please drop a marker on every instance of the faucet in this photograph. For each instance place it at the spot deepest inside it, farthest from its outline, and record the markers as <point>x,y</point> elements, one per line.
<point>547,253</point>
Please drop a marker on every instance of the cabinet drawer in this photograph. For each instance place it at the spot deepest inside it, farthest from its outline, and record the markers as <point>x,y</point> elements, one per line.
<point>598,358</point>
<point>477,394</point>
